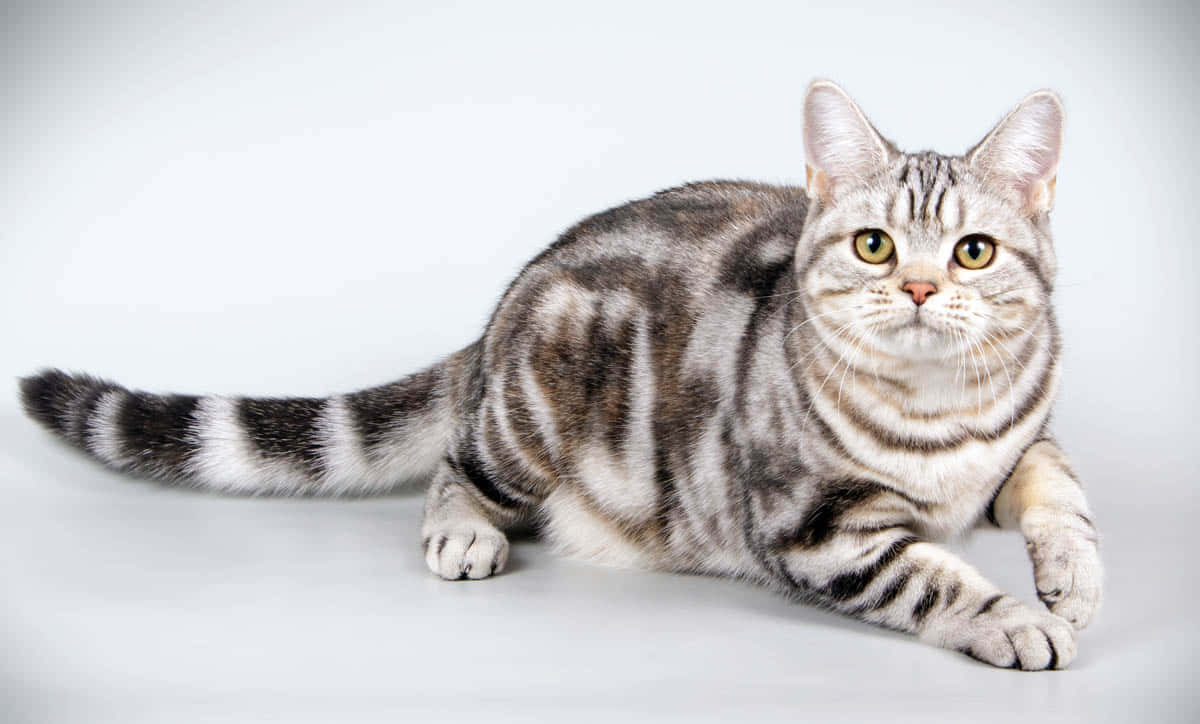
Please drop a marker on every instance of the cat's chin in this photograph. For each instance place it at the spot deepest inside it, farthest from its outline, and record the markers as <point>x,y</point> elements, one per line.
<point>919,341</point>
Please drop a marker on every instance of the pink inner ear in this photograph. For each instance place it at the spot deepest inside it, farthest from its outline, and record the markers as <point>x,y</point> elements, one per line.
<point>1022,152</point>
<point>839,142</point>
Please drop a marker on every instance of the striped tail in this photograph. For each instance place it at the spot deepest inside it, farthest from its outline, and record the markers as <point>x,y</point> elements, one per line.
<point>368,441</point>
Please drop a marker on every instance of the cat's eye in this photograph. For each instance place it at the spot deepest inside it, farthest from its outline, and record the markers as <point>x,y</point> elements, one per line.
<point>975,251</point>
<point>874,246</point>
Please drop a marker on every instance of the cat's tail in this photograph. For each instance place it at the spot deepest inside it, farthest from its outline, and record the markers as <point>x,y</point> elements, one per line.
<point>369,441</point>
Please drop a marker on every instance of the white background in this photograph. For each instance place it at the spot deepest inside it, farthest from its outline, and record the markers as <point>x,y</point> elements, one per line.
<point>303,199</point>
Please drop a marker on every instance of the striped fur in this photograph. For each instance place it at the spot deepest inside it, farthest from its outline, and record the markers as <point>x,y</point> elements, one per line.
<point>365,442</point>
<point>711,380</point>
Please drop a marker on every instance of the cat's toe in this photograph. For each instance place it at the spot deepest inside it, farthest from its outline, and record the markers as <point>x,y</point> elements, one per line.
<point>486,556</point>
<point>1017,636</point>
<point>466,553</point>
<point>1080,601</point>
<point>1068,574</point>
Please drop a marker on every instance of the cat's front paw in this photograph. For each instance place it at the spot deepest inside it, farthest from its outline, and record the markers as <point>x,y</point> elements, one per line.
<point>1066,564</point>
<point>466,552</point>
<point>1004,632</point>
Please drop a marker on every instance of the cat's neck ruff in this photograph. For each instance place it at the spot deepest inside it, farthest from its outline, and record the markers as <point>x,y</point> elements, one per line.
<point>975,380</point>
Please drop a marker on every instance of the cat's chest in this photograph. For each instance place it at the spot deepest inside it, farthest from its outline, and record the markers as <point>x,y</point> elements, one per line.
<point>952,464</point>
<point>951,487</point>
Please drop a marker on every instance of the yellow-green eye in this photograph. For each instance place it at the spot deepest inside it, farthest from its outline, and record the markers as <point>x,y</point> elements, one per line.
<point>874,246</point>
<point>975,251</point>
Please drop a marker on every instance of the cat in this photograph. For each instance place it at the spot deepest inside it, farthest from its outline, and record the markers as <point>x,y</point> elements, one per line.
<point>805,388</point>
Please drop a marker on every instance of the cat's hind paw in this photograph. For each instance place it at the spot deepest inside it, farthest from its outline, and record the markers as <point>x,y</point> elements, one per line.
<point>457,553</point>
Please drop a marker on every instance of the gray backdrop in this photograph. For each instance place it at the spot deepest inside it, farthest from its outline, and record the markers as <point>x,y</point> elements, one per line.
<point>301,198</point>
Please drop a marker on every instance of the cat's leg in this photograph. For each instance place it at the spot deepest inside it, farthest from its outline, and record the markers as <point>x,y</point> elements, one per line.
<point>886,575</point>
<point>461,530</point>
<point>1044,500</point>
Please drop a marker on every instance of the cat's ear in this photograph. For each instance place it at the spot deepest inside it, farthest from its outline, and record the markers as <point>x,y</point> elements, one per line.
<point>840,145</point>
<point>1020,155</point>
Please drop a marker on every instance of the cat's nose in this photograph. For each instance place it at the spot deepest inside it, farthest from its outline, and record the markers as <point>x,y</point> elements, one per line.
<point>920,291</point>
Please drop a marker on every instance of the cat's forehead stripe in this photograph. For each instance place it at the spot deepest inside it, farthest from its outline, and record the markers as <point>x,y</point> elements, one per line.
<point>926,177</point>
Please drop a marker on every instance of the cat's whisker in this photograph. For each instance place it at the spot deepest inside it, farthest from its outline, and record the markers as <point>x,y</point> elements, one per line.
<point>792,293</point>
<point>861,339</point>
<point>962,356</point>
<point>815,395</point>
<point>1000,322</point>
<point>988,370</point>
<point>870,329</point>
<point>1003,348</point>
<point>824,344</point>
<point>978,376</point>
<point>832,370</point>
<point>969,362</point>
<point>957,352</point>
<point>814,317</point>
<point>1032,336</point>
<point>1012,407</point>
<point>1004,325</point>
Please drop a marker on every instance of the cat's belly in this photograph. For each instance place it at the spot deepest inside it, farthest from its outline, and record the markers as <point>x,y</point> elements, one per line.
<point>577,528</point>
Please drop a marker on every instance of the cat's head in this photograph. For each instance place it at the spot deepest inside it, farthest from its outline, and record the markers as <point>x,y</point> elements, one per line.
<point>925,257</point>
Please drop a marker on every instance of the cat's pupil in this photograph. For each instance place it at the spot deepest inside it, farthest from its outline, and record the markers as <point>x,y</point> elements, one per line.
<point>874,243</point>
<point>974,249</point>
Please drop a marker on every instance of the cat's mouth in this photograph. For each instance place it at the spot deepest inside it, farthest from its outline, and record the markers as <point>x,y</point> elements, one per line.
<point>919,333</point>
<point>918,321</point>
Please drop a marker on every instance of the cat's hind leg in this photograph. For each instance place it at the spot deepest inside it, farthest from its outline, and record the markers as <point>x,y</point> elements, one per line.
<point>461,530</point>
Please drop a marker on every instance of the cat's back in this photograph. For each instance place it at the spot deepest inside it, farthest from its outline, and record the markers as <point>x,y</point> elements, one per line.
<point>667,254</point>
<point>694,227</point>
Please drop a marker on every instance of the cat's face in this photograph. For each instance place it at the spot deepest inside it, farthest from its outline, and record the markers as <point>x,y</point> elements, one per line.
<point>922,257</point>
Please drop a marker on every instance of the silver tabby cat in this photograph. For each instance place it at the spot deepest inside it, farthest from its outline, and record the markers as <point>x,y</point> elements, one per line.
<point>801,388</point>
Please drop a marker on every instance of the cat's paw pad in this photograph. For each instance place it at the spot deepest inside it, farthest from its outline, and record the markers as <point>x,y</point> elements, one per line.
<point>1067,571</point>
<point>460,553</point>
<point>1007,633</point>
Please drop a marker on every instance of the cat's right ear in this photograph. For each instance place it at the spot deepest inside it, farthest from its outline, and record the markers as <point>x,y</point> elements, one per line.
<point>840,144</point>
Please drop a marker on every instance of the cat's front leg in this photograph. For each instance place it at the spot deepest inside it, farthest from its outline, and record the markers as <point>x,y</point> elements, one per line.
<point>887,576</point>
<point>1044,500</point>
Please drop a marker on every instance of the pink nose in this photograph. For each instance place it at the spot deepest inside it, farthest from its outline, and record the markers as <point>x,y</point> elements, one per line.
<point>920,291</point>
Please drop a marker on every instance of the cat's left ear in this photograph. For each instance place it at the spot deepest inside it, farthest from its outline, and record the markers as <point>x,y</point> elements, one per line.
<point>1020,155</point>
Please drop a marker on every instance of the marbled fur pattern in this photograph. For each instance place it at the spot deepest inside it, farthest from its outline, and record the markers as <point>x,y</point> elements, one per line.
<point>710,380</point>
